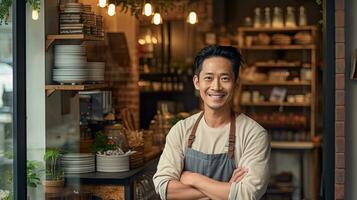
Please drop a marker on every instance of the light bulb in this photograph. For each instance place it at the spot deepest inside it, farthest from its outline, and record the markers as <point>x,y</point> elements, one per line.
<point>192,18</point>
<point>147,9</point>
<point>35,14</point>
<point>141,41</point>
<point>154,40</point>
<point>102,3</point>
<point>156,19</point>
<point>111,9</point>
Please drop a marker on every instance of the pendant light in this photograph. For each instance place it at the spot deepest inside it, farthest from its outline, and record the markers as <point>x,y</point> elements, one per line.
<point>147,10</point>
<point>111,9</point>
<point>35,14</point>
<point>156,19</point>
<point>102,3</point>
<point>192,18</point>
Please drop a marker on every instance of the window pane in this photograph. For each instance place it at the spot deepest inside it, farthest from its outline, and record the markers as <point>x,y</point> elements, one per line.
<point>6,142</point>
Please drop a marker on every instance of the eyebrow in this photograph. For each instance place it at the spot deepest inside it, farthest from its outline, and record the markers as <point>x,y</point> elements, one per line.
<point>222,74</point>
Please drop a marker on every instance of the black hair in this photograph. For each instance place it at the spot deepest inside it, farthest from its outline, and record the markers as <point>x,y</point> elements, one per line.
<point>228,52</point>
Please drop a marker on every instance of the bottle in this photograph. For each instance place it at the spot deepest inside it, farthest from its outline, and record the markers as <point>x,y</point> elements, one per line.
<point>267,21</point>
<point>302,16</point>
<point>290,17</point>
<point>277,18</point>
<point>257,20</point>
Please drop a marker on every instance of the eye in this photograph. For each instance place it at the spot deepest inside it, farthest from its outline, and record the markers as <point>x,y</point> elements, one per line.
<point>207,78</point>
<point>225,78</point>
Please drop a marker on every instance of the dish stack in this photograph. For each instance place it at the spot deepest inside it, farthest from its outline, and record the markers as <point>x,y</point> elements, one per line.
<point>71,66</point>
<point>88,19</point>
<point>112,163</point>
<point>70,19</point>
<point>78,163</point>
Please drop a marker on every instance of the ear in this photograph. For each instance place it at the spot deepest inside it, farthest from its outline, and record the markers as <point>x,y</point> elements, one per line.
<point>196,82</point>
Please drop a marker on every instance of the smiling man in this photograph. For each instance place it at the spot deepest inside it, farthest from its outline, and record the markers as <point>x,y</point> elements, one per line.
<point>216,153</point>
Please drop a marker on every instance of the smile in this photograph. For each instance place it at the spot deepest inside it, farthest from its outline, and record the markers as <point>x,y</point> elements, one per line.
<point>217,95</point>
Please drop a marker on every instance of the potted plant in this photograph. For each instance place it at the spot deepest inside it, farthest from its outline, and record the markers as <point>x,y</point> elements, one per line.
<point>110,157</point>
<point>54,181</point>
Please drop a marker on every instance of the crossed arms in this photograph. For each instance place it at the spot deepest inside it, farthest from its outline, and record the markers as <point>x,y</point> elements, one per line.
<point>196,186</point>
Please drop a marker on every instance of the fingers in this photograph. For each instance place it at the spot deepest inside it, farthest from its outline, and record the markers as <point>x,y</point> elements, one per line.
<point>238,174</point>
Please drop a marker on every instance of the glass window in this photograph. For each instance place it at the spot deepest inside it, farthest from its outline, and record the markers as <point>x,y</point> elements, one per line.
<point>6,88</point>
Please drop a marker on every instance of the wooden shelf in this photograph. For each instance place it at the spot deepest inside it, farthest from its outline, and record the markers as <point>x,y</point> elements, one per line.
<point>283,29</point>
<point>278,47</point>
<point>292,145</point>
<point>276,104</point>
<point>52,88</point>
<point>277,65</point>
<point>271,83</point>
<point>51,38</point>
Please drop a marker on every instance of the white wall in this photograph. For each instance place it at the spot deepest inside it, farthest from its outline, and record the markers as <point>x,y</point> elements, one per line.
<point>35,90</point>
<point>351,104</point>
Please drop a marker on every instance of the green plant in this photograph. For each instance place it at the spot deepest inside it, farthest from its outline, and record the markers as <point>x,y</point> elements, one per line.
<point>102,143</point>
<point>5,6</point>
<point>53,170</point>
<point>136,6</point>
<point>33,173</point>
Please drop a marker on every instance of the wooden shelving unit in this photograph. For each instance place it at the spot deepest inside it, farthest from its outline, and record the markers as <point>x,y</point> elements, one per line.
<point>272,61</point>
<point>275,104</point>
<point>50,89</point>
<point>51,38</point>
<point>292,145</point>
<point>273,83</point>
<point>277,47</point>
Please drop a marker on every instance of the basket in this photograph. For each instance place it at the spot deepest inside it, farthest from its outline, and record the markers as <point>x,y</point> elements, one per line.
<point>137,158</point>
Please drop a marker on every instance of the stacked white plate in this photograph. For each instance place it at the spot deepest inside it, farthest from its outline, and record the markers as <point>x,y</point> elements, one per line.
<point>78,163</point>
<point>112,163</point>
<point>71,66</point>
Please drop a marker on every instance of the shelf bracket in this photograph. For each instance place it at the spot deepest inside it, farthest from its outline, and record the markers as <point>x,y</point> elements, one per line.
<point>49,92</point>
<point>49,43</point>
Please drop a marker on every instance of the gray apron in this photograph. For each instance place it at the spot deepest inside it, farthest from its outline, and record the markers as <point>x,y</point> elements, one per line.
<point>216,166</point>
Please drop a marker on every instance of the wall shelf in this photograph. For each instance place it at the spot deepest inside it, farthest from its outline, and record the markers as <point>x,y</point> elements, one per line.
<point>278,47</point>
<point>272,83</point>
<point>292,145</point>
<point>283,29</point>
<point>51,38</point>
<point>52,88</point>
<point>267,103</point>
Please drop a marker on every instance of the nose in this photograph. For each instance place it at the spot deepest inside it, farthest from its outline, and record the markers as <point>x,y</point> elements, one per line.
<point>216,84</point>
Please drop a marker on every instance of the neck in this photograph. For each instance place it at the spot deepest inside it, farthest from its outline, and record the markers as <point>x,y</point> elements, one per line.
<point>217,118</point>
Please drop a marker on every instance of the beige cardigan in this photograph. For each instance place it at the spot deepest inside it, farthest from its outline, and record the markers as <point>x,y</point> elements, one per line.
<point>252,150</point>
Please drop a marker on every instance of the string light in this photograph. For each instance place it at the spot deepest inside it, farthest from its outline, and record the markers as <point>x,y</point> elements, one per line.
<point>111,9</point>
<point>156,19</point>
<point>35,14</point>
<point>102,3</point>
<point>192,18</point>
<point>147,11</point>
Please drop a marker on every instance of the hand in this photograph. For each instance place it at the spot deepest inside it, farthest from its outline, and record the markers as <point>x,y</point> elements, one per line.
<point>238,174</point>
<point>187,178</point>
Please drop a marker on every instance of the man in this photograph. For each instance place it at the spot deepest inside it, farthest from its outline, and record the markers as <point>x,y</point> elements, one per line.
<point>215,154</point>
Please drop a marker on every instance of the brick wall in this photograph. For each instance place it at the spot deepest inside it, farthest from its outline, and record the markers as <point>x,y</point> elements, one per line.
<point>340,99</point>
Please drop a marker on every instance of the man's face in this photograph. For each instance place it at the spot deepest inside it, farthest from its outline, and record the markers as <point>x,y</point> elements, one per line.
<point>216,83</point>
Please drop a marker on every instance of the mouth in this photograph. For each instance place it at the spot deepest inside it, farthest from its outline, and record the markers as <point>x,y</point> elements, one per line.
<point>217,95</point>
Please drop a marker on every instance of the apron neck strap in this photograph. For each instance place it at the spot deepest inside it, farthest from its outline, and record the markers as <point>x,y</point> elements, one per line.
<point>232,131</point>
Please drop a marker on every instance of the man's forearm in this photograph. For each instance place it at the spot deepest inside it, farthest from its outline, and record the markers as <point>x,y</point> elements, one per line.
<point>211,188</point>
<point>177,191</point>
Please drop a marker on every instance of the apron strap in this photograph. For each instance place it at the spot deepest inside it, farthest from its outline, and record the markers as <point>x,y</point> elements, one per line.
<point>232,135</point>
<point>193,132</point>
<point>232,131</point>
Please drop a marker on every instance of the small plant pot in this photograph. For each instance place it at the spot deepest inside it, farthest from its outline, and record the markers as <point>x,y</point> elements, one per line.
<point>53,186</point>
